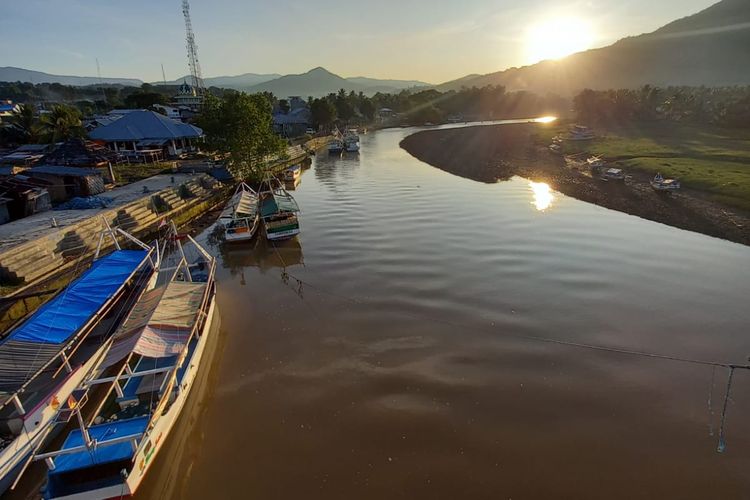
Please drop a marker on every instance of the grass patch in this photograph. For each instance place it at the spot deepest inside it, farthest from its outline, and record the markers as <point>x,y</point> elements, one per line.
<point>706,158</point>
<point>135,172</point>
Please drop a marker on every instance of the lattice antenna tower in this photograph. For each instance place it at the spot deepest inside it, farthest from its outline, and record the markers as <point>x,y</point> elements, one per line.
<point>192,50</point>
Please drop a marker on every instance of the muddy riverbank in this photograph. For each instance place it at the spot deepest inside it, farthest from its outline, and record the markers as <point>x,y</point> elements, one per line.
<point>493,153</point>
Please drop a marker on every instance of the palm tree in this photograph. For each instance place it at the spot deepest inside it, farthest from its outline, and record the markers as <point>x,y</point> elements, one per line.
<point>24,119</point>
<point>62,123</point>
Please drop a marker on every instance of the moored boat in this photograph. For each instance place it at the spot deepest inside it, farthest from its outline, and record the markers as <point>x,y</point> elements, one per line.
<point>612,174</point>
<point>580,133</point>
<point>659,183</point>
<point>148,371</point>
<point>292,174</point>
<point>278,211</point>
<point>240,216</point>
<point>336,147</point>
<point>351,141</point>
<point>45,358</point>
<point>596,162</point>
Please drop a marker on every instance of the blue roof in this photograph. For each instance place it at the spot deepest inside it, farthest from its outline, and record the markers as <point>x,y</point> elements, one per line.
<point>101,454</point>
<point>57,320</point>
<point>7,107</point>
<point>140,125</point>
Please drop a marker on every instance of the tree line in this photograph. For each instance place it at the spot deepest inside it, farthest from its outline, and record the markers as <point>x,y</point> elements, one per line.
<point>724,106</point>
<point>25,126</point>
<point>432,106</point>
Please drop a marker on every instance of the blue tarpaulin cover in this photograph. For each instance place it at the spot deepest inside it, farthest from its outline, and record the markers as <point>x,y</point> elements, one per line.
<point>57,320</point>
<point>101,454</point>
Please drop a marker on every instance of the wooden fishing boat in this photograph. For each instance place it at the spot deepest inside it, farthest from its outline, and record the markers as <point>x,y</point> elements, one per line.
<point>336,147</point>
<point>148,369</point>
<point>240,215</point>
<point>292,174</point>
<point>595,163</point>
<point>47,356</point>
<point>351,141</point>
<point>580,133</point>
<point>278,211</point>
<point>612,174</point>
<point>659,183</point>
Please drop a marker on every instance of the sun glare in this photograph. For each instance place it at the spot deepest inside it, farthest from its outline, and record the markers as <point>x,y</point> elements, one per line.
<point>558,38</point>
<point>543,196</point>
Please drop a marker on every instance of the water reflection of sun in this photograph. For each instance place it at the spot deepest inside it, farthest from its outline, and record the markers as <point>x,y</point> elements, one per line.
<point>543,197</point>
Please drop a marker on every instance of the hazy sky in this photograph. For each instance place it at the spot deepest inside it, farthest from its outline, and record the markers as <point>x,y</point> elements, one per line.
<point>430,40</point>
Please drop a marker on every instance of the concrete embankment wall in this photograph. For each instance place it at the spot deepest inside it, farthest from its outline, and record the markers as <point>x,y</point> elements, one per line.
<point>51,260</point>
<point>39,263</point>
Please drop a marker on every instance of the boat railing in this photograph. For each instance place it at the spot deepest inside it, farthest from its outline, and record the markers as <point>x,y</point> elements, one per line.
<point>66,352</point>
<point>171,377</point>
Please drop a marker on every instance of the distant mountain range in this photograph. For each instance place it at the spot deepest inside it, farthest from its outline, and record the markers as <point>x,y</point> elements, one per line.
<point>239,82</point>
<point>709,48</point>
<point>319,82</point>
<point>316,82</point>
<point>11,74</point>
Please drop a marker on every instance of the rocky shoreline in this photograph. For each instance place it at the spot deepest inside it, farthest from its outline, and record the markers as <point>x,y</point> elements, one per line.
<point>494,153</point>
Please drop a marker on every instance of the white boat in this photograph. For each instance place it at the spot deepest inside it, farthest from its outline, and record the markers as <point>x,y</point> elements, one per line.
<point>351,141</point>
<point>612,174</point>
<point>292,174</point>
<point>659,183</point>
<point>47,356</point>
<point>148,370</point>
<point>278,211</point>
<point>240,215</point>
<point>580,133</point>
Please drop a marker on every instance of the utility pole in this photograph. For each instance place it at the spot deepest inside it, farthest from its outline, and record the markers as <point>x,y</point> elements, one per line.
<point>101,85</point>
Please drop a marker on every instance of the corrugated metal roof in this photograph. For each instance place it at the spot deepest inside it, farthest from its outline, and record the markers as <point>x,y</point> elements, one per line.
<point>62,170</point>
<point>140,125</point>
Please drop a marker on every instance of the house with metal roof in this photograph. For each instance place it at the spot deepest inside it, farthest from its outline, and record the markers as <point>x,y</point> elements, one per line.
<point>65,182</point>
<point>142,130</point>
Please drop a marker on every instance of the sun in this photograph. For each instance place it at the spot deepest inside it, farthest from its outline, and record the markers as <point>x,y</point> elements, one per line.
<point>557,38</point>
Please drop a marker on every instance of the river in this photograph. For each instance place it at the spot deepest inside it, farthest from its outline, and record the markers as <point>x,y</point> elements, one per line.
<point>400,348</point>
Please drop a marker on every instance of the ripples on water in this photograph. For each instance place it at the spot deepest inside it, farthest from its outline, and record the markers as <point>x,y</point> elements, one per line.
<point>396,370</point>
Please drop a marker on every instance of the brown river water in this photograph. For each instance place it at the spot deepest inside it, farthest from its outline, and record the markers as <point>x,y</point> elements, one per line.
<point>395,349</point>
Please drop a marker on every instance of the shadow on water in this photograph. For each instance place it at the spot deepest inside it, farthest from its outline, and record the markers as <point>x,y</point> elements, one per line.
<point>262,254</point>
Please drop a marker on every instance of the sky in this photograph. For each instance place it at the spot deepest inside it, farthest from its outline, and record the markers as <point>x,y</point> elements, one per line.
<point>428,40</point>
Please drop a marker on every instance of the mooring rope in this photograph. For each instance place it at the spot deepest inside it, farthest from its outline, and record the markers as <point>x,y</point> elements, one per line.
<point>722,428</point>
<point>721,447</point>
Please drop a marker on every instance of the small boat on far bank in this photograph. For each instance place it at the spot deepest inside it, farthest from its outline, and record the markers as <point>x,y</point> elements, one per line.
<point>612,174</point>
<point>596,162</point>
<point>278,211</point>
<point>659,183</point>
<point>240,216</point>
<point>580,133</point>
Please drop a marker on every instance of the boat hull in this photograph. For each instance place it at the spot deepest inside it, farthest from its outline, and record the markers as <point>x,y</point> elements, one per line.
<point>37,422</point>
<point>161,428</point>
<point>239,234</point>
<point>282,235</point>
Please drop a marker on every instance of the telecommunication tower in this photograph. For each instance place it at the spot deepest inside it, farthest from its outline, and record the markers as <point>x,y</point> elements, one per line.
<point>192,50</point>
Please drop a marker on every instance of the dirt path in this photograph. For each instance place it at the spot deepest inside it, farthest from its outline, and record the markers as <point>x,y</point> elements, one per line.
<point>492,153</point>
